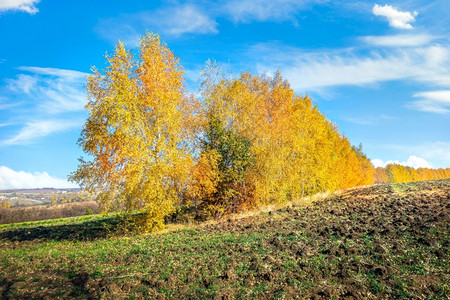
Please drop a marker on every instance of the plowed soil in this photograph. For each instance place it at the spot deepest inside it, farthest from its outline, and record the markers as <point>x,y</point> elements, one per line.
<point>379,242</point>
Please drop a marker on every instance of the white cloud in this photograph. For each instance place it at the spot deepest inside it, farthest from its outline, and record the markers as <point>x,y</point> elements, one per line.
<point>416,162</point>
<point>23,83</point>
<point>371,120</point>
<point>437,152</point>
<point>360,121</point>
<point>173,21</point>
<point>400,40</point>
<point>182,19</point>
<point>63,73</point>
<point>51,101</point>
<point>5,105</point>
<point>10,179</point>
<point>409,57</point>
<point>436,56</point>
<point>34,130</point>
<point>20,5</point>
<point>55,90</point>
<point>434,101</point>
<point>378,163</point>
<point>412,161</point>
<point>263,10</point>
<point>397,19</point>
<point>314,71</point>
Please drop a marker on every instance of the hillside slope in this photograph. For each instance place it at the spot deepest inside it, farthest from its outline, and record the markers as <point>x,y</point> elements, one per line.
<point>378,242</point>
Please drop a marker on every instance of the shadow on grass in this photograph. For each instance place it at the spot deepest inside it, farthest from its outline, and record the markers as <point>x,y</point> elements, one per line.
<point>117,225</point>
<point>89,230</point>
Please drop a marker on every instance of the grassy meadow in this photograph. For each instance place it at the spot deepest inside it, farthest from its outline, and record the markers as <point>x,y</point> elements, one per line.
<point>383,241</point>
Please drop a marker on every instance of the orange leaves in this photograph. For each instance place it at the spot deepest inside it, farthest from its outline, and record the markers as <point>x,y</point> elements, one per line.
<point>204,176</point>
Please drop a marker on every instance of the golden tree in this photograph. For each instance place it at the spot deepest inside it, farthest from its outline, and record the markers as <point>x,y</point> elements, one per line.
<point>380,175</point>
<point>136,133</point>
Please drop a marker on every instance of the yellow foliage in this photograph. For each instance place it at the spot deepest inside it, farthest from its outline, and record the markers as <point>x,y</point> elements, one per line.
<point>394,173</point>
<point>135,132</point>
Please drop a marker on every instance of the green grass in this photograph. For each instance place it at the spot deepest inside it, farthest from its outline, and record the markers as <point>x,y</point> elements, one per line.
<point>295,254</point>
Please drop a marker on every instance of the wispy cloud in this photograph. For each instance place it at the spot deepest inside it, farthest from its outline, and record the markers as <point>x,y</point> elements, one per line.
<point>374,120</point>
<point>400,40</point>
<point>421,58</point>
<point>55,90</point>
<point>412,161</point>
<point>10,179</point>
<point>317,70</point>
<point>28,6</point>
<point>397,19</point>
<point>433,101</point>
<point>32,131</point>
<point>63,73</point>
<point>182,19</point>
<point>51,100</point>
<point>197,18</point>
<point>172,21</point>
<point>5,104</point>
<point>263,10</point>
<point>24,83</point>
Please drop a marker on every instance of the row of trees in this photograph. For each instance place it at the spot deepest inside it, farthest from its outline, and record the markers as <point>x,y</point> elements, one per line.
<point>394,173</point>
<point>243,142</point>
<point>262,143</point>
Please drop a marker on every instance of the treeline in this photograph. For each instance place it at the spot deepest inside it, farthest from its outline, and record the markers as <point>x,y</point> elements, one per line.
<point>261,143</point>
<point>394,173</point>
<point>242,142</point>
<point>45,212</point>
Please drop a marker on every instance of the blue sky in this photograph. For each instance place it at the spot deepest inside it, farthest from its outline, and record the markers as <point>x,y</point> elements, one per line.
<point>379,70</point>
